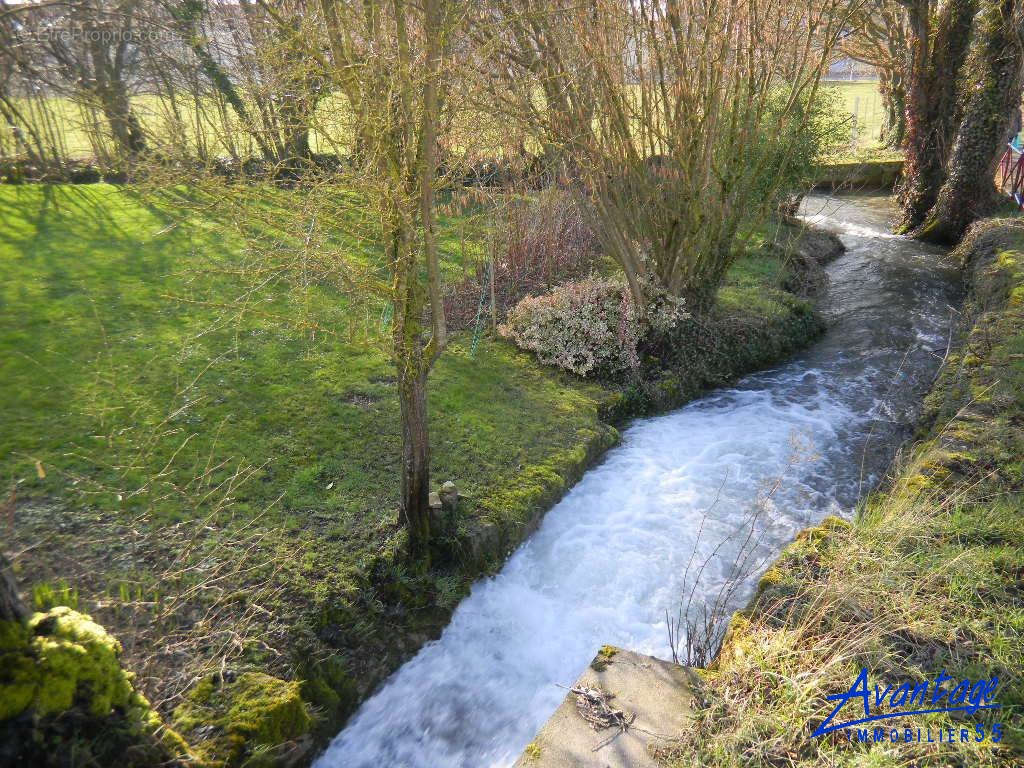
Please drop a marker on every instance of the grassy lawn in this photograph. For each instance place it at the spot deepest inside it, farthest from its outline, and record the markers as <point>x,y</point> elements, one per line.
<point>102,333</point>
<point>863,100</point>
<point>68,127</point>
<point>223,488</point>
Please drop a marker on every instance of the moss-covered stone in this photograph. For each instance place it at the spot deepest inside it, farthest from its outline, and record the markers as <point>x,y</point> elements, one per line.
<point>61,681</point>
<point>59,660</point>
<point>736,643</point>
<point>247,721</point>
<point>604,658</point>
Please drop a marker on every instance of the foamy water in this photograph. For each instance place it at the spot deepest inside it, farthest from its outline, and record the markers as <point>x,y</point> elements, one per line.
<point>610,559</point>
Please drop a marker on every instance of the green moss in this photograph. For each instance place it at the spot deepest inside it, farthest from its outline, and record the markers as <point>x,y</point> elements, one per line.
<point>59,660</point>
<point>771,578</point>
<point>737,642</point>
<point>62,666</point>
<point>604,657</point>
<point>19,678</point>
<point>240,719</point>
<point>330,687</point>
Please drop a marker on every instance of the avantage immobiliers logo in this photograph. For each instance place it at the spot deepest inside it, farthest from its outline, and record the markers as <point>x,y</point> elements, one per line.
<point>907,699</point>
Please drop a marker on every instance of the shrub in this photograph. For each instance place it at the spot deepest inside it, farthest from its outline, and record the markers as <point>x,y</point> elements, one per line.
<point>539,242</point>
<point>590,327</point>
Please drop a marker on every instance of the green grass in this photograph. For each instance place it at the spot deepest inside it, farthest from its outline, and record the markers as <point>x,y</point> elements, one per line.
<point>926,579</point>
<point>862,134</point>
<point>174,459</point>
<point>91,329</point>
<point>69,128</point>
<point>863,100</point>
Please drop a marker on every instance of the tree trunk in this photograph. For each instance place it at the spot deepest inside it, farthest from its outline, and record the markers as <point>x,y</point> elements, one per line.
<point>894,101</point>
<point>124,125</point>
<point>936,59</point>
<point>110,89</point>
<point>11,607</point>
<point>969,191</point>
<point>415,504</point>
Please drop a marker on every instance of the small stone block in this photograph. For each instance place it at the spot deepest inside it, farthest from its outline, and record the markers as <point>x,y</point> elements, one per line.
<point>658,693</point>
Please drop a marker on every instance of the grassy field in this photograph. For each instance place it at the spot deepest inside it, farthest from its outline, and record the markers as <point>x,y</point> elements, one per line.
<point>221,489</point>
<point>928,578</point>
<point>861,99</point>
<point>71,127</point>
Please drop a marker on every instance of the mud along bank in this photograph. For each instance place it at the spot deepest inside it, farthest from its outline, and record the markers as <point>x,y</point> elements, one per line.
<point>927,578</point>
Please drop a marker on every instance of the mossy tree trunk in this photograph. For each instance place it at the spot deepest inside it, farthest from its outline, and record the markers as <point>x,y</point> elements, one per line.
<point>11,606</point>
<point>938,48</point>
<point>125,127</point>
<point>894,101</point>
<point>388,62</point>
<point>969,192</point>
<point>412,388</point>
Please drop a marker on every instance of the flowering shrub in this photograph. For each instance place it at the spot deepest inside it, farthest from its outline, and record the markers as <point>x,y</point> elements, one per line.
<point>589,327</point>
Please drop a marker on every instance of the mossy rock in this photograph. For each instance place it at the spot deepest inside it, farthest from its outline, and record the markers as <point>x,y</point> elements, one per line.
<point>254,720</point>
<point>62,687</point>
<point>604,658</point>
<point>61,659</point>
<point>773,577</point>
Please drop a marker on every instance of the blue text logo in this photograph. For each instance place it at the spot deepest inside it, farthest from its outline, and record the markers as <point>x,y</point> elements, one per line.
<point>910,699</point>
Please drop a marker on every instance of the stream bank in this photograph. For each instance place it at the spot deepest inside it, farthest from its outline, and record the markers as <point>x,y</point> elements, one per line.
<point>928,577</point>
<point>766,312</point>
<point>608,561</point>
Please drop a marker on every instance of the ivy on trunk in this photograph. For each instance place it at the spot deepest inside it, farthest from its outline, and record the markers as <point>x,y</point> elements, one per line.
<point>938,49</point>
<point>995,73</point>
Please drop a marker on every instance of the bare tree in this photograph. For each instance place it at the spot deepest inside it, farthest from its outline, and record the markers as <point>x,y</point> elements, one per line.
<point>88,51</point>
<point>703,115</point>
<point>391,62</point>
<point>879,38</point>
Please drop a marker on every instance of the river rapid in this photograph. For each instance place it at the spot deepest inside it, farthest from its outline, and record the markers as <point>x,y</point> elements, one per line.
<point>755,463</point>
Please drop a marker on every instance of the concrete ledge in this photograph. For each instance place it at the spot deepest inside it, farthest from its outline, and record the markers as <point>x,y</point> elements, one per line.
<point>658,693</point>
<point>878,174</point>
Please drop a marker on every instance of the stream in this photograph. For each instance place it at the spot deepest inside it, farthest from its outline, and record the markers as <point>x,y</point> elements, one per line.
<point>730,477</point>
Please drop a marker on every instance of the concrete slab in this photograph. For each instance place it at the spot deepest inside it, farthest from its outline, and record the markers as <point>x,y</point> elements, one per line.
<point>658,693</point>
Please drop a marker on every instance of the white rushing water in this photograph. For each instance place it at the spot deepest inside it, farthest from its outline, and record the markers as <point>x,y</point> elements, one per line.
<point>610,559</point>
